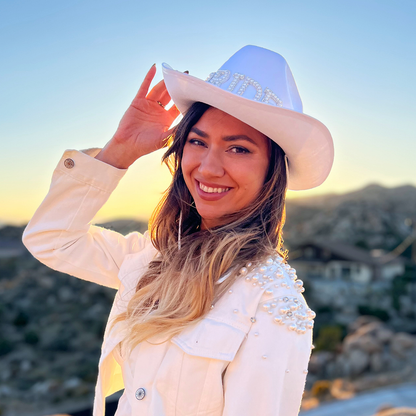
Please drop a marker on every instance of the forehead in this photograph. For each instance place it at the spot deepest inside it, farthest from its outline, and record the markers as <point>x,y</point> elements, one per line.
<point>215,122</point>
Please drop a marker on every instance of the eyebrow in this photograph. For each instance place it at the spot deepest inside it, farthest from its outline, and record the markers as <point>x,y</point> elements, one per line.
<point>231,138</point>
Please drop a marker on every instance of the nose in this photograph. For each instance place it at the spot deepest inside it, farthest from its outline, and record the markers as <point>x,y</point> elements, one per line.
<point>211,165</point>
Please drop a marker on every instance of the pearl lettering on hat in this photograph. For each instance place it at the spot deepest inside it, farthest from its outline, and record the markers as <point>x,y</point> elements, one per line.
<point>237,78</point>
<point>248,81</point>
<point>221,76</point>
<point>269,95</point>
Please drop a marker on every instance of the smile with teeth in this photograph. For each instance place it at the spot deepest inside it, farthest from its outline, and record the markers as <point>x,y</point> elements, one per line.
<point>212,190</point>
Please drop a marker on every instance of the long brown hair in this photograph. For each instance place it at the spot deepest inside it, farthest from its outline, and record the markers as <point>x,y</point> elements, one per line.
<point>179,286</point>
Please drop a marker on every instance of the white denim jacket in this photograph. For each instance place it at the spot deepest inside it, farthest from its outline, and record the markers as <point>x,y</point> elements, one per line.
<point>247,357</point>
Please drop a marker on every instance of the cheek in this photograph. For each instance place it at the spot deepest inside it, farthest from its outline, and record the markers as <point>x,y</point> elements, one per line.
<point>263,169</point>
<point>187,166</point>
<point>184,161</point>
<point>253,182</point>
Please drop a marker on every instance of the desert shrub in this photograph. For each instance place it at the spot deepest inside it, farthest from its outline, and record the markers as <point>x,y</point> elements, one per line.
<point>379,313</point>
<point>362,244</point>
<point>88,370</point>
<point>21,319</point>
<point>325,309</point>
<point>321,388</point>
<point>399,285</point>
<point>5,346</point>
<point>329,337</point>
<point>8,267</point>
<point>31,337</point>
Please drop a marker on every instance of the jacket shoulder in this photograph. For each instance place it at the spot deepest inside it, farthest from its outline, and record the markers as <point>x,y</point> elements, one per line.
<point>282,295</point>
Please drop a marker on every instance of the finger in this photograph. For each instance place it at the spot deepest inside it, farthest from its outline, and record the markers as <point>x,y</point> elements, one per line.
<point>157,91</point>
<point>174,112</point>
<point>160,93</point>
<point>144,88</point>
<point>164,98</point>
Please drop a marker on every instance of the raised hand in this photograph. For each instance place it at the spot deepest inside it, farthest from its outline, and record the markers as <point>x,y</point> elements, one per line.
<point>144,126</point>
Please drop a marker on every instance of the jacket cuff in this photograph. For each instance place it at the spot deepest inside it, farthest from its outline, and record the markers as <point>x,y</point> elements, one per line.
<point>82,166</point>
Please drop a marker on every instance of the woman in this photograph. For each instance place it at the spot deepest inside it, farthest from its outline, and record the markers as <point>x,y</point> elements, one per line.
<point>208,318</point>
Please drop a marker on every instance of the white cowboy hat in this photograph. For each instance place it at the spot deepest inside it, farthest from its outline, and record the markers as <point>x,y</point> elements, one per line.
<point>257,87</point>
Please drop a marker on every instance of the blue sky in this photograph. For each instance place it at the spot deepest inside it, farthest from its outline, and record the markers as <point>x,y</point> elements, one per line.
<point>70,69</point>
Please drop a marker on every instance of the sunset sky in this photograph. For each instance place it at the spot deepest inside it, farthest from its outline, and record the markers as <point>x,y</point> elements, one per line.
<point>69,70</point>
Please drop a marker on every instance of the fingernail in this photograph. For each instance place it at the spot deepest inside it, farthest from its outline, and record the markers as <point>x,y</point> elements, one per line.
<point>186,72</point>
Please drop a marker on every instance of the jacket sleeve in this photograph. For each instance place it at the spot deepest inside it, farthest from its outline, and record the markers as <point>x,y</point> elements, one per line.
<point>267,376</point>
<point>60,234</point>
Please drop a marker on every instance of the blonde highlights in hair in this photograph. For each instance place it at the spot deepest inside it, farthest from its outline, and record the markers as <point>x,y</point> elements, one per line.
<point>179,286</point>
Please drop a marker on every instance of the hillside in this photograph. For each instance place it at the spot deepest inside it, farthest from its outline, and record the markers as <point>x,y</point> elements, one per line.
<point>51,324</point>
<point>372,217</point>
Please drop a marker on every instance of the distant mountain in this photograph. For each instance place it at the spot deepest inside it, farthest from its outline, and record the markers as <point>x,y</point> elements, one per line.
<point>401,198</point>
<point>11,232</point>
<point>371,217</point>
<point>125,226</point>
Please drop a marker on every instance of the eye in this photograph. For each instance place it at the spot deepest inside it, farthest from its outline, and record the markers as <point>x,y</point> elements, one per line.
<point>239,149</point>
<point>196,142</point>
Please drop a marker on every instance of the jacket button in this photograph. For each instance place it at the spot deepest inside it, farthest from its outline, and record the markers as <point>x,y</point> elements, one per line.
<point>69,163</point>
<point>140,393</point>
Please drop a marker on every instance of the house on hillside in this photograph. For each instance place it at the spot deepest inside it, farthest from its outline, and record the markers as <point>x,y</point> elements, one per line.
<point>336,261</point>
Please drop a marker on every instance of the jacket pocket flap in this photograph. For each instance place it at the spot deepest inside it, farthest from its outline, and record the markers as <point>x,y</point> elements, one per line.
<point>211,339</point>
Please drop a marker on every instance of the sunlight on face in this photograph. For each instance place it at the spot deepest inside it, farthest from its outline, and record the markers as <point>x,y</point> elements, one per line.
<point>224,165</point>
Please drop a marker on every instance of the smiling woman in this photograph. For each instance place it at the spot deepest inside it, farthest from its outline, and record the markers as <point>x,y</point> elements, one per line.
<point>214,164</point>
<point>209,318</point>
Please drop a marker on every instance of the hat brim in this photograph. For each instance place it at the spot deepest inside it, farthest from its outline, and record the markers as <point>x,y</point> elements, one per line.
<point>306,141</point>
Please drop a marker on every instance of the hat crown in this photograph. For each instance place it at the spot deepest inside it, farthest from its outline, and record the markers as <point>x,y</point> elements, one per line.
<point>261,75</point>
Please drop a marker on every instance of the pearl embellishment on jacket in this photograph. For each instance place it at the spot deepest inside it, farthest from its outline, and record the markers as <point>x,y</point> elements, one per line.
<point>243,271</point>
<point>288,310</point>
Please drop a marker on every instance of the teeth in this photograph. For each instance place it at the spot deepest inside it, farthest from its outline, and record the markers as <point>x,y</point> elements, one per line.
<point>212,190</point>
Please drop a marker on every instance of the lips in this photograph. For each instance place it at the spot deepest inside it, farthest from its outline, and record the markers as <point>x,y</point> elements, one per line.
<point>213,189</point>
<point>211,192</point>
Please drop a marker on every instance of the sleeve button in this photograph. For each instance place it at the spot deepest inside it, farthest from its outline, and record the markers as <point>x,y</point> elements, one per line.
<point>140,393</point>
<point>69,163</point>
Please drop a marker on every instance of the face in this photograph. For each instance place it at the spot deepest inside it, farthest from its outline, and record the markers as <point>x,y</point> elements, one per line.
<point>224,164</point>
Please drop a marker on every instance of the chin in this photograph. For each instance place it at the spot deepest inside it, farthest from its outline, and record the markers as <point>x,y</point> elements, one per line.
<point>208,217</point>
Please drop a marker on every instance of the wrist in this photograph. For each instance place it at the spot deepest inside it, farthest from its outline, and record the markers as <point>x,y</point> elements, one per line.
<point>116,155</point>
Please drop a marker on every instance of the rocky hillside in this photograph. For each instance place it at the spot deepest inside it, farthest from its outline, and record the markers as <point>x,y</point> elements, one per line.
<point>51,328</point>
<point>51,324</point>
<point>371,356</point>
<point>374,217</point>
<point>50,336</point>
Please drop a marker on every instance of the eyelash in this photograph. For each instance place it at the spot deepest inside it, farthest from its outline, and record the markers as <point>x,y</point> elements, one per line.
<point>241,150</point>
